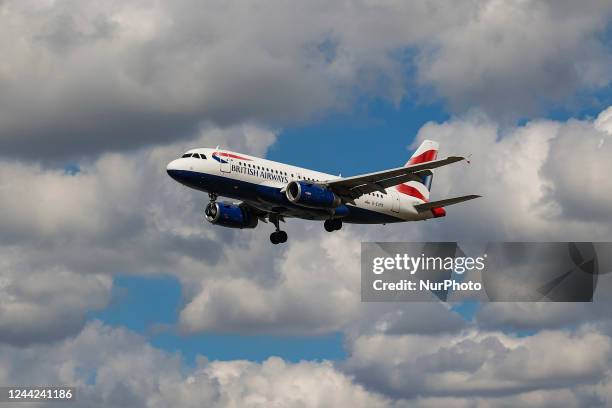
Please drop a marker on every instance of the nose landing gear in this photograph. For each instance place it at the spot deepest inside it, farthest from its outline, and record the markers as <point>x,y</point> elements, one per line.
<point>278,236</point>
<point>332,225</point>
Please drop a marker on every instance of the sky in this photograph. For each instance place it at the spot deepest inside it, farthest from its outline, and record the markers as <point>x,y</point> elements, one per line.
<point>108,270</point>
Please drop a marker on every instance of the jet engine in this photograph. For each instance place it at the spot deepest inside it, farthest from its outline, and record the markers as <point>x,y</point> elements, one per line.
<point>311,195</point>
<point>230,215</point>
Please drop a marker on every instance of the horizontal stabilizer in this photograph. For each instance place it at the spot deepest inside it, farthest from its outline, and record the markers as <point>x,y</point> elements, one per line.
<point>444,203</point>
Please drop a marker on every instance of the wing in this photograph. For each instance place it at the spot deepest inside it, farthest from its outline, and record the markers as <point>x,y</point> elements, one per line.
<point>351,188</point>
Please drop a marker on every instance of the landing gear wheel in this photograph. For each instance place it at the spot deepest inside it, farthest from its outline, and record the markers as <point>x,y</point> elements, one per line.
<point>332,225</point>
<point>212,197</point>
<point>274,238</point>
<point>278,237</point>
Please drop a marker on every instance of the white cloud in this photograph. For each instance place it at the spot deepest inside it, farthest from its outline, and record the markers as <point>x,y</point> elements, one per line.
<point>510,58</point>
<point>46,305</point>
<point>540,181</point>
<point>65,235</point>
<point>81,77</point>
<point>479,364</point>
<point>578,166</point>
<point>303,295</point>
<point>114,367</point>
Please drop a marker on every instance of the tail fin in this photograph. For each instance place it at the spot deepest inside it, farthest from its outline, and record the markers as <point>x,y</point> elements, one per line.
<point>426,152</point>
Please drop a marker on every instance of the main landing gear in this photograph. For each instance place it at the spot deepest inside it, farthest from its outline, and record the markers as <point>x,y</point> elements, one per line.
<point>332,225</point>
<point>212,197</point>
<point>278,236</point>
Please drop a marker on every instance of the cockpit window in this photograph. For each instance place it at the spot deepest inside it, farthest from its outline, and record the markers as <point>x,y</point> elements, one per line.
<point>195,155</point>
<point>202,156</point>
<point>186,155</point>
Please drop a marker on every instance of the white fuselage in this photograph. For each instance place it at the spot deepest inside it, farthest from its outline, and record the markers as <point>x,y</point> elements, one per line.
<point>240,176</point>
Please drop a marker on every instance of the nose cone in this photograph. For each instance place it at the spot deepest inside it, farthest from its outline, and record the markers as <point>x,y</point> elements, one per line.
<point>173,169</point>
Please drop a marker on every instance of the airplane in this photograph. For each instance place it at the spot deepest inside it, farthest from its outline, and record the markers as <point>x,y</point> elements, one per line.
<point>273,191</point>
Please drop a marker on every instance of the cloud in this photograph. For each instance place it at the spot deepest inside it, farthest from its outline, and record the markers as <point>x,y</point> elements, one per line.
<point>64,235</point>
<point>486,61</point>
<point>540,181</point>
<point>92,78</point>
<point>536,316</point>
<point>44,305</point>
<point>306,295</point>
<point>115,367</point>
<point>285,290</point>
<point>479,364</point>
<point>88,78</point>
<point>577,164</point>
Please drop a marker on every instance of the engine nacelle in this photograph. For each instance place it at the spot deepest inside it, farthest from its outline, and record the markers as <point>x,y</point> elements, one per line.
<point>230,215</point>
<point>311,195</point>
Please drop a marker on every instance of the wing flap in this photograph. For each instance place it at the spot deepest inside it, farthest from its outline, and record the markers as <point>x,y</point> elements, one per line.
<point>443,203</point>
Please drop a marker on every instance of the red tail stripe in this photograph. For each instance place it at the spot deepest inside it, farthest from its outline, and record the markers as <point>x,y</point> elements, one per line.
<point>427,156</point>
<point>411,191</point>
